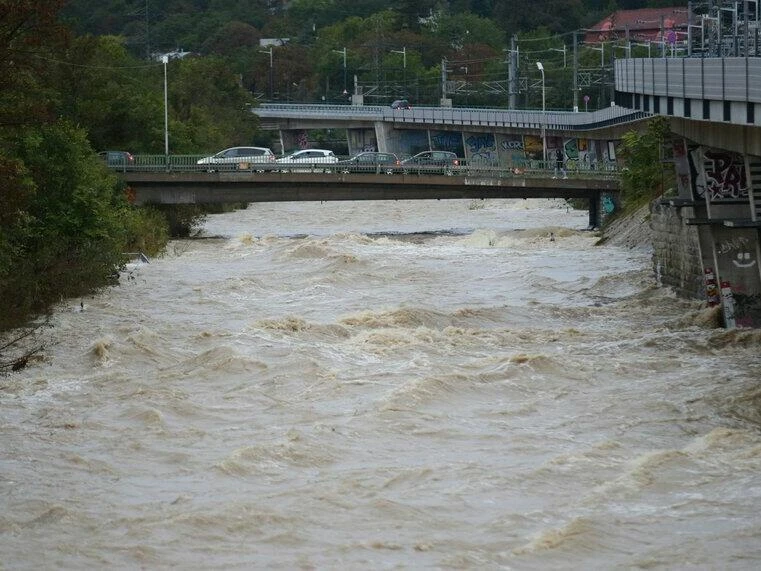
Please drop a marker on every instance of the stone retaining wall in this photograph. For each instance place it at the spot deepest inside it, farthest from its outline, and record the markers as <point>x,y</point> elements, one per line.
<point>676,251</point>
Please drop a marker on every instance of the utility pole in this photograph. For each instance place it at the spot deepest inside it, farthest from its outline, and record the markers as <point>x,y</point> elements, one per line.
<point>512,73</point>
<point>147,33</point>
<point>575,72</point>
<point>445,102</point>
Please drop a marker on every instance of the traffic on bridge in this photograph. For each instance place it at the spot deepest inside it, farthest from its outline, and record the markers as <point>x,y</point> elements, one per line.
<point>155,179</point>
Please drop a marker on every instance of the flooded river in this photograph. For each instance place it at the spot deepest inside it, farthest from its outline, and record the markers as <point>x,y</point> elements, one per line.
<point>388,385</point>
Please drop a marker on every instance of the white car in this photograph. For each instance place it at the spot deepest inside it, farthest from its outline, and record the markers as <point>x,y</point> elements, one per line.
<point>239,157</point>
<point>309,158</point>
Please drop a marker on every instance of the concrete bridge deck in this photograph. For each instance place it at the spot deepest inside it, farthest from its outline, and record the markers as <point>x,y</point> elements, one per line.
<point>156,187</point>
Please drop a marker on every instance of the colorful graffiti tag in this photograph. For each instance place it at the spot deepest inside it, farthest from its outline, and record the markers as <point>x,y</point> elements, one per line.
<point>447,141</point>
<point>722,176</point>
<point>481,147</point>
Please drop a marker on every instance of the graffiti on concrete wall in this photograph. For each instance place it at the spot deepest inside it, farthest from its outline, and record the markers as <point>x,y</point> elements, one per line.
<point>481,147</point>
<point>511,151</point>
<point>361,140</point>
<point>722,176</point>
<point>740,249</point>
<point>736,253</point>
<point>553,144</point>
<point>302,140</point>
<point>681,166</point>
<point>412,142</point>
<point>572,154</point>
<point>747,310</point>
<point>583,147</point>
<point>447,141</point>
<point>533,147</point>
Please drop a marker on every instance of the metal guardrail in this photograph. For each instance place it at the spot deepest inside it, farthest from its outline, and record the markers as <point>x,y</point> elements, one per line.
<point>521,119</point>
<point>532,168</point>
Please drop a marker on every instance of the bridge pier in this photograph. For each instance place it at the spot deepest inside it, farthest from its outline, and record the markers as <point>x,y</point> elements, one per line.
<point>594,211</point>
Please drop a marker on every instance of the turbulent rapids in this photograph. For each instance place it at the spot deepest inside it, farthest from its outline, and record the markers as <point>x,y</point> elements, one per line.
<point>386,385</point>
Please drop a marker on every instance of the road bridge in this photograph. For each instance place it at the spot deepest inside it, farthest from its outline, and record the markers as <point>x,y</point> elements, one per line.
<point>327,183</point>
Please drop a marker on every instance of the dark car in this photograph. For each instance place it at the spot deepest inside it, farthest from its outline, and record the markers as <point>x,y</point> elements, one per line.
<point>370,161</point>
<point>117,159</point>
<point>401,104</point>
<point>445,162</point>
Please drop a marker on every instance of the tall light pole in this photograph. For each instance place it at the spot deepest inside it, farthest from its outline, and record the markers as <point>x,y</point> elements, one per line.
<point>544,116</point>
<point>403,51</point>
<point>269,51</point>
<point>165,60</point>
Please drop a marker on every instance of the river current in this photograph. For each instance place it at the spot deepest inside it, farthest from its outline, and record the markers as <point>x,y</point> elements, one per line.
<point>387,385</point>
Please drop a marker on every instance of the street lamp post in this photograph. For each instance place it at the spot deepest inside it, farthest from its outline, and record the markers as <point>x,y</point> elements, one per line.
<point>165,60</point>
<point>403,51</point>
<point>269,51</point>
<point>544,116</point>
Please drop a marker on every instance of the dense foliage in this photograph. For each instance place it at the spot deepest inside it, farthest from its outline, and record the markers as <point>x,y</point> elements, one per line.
<point>645,175</point>
<point>65,222</point>
<point>393,48</point>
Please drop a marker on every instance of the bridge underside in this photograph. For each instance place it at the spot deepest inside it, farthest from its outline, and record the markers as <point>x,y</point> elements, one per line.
<point>207,188</point>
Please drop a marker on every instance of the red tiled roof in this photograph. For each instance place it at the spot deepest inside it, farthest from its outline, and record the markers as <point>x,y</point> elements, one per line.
<point>643,24</point>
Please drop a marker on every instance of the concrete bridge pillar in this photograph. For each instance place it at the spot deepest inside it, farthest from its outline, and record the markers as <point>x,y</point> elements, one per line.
<point>291,140</point>
<point>359,140</point>
<point>382,137</point>
<point>594,211</point>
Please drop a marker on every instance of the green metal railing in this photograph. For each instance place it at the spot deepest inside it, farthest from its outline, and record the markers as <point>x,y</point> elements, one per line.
<point>472,168</point>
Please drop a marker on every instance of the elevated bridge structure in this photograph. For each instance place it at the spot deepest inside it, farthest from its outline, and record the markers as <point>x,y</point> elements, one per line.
<point>256,183</point>
<point>512,138</point>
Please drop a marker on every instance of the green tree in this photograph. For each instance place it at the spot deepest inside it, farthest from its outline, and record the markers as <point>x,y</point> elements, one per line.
<point>644,176</point>
<point>210,108</point>
<point>64,219</point>
<point>118,98</point>
<point>70,232</point>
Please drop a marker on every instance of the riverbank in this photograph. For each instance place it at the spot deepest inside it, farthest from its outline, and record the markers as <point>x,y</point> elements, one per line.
<point>630,231</point>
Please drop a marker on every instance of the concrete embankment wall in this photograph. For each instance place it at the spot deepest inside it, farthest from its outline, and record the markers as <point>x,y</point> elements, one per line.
<point>676,251</point>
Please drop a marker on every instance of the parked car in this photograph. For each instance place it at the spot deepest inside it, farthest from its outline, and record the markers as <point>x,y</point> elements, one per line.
<point>370,161</point>
<point>401,104</point>
<point>445,162</point>
<point>239,157</point>
<point>117,159</point>
<point>308,158</point>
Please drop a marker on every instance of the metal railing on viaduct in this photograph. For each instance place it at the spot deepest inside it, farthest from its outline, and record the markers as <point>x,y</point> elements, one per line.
<point>283,115</point>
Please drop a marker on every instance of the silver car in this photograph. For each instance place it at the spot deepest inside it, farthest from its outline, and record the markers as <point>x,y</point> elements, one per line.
<point>239,157</point>
<point>308,158</point>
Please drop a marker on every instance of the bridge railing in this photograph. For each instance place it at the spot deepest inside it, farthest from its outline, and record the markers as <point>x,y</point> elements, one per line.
<point>514,118</point>
<point>472,168</point>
